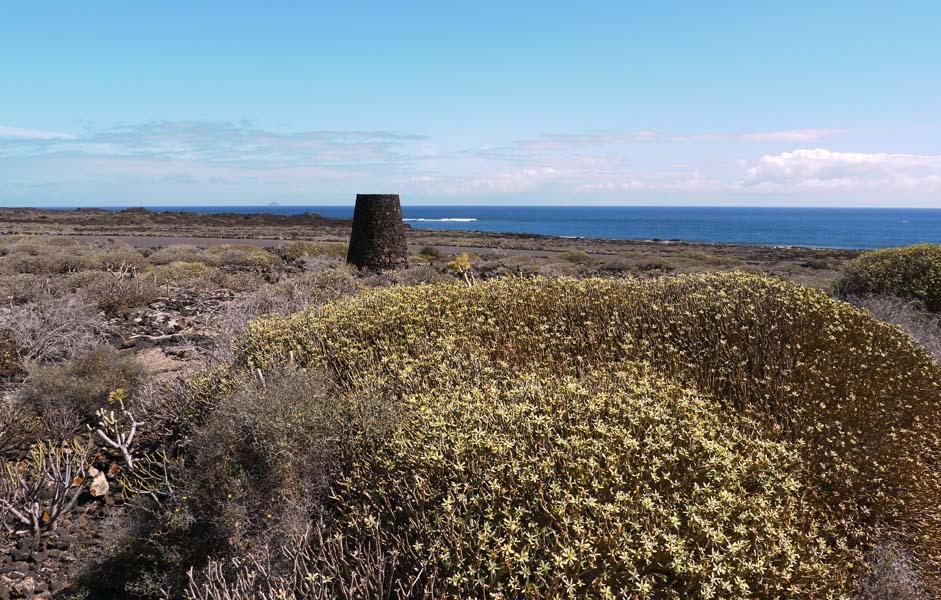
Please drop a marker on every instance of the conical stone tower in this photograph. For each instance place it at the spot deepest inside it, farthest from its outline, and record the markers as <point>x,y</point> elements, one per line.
<point>378,238</point>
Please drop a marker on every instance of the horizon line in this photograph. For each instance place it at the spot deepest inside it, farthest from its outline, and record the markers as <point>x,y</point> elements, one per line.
<point>487,205</point>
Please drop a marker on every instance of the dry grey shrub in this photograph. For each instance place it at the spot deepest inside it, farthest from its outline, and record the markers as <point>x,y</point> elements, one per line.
<point>325,279</point>
<point>260,470</point>
<point>21,288</point>
<point>50,329</point>
<point>910,315</point>
<point>177,253</point>
<point>40,257</point>
<point>414,274</point>
<point>18,429</point>
<point>579,257</point>
<point>418,274</point>
<point>60,255</point>
<point>36,492</point>
<point>166,407</point>
<point>244,256</point>
<point>559,270</point>
<point>320,262</point>
<point>115,295</point>
<point>891,576</point>
<point>61,423</point>
<point>81,384</point>
<point>265,457</point>
<point>283,298</point>
<point>314,566</point>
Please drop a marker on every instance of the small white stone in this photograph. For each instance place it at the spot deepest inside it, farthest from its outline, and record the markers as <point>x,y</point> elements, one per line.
<point>99,485</point>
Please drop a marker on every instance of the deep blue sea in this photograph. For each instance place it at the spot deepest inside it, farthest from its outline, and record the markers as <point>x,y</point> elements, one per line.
<point>816,227</point>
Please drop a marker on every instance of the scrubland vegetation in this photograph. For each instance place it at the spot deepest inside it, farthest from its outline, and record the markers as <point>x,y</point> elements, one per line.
<point>473,426</point>
<point>911,272</point>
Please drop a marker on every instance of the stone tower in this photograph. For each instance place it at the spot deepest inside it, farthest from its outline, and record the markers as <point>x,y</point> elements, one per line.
<point>378,238</point>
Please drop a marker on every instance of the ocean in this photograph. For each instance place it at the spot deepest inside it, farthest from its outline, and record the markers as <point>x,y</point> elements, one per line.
<point>814,227</point>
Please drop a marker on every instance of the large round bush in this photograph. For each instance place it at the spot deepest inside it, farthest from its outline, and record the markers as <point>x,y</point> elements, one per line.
<point>519,433</point>
<point>908,272</point>
<point>572,487</point>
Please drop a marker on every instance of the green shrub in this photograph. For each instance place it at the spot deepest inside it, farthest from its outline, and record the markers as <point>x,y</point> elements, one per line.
<point>655,266</point>
<point>243,255</point>
<point>241,281</point>
<point>40,259</point>
<point>194,275</point>
<point>59,255</point>
<point>430,252</point>
<point>817,264</point>
<point>89,277</point>
<point>301,248</point>
<point>701,258</point>
<point>82,384</point>
<point>852,402</point>
<point>231,256</point>
<point>178,253</point>
<point>578,257</point>
<point>117,257</point>
<point>569,488</point>
<point>908,272</point>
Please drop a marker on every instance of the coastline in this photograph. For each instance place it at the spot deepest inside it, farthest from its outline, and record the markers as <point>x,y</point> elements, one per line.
<point>787,227</point>
<point>219,227</point>
<point>147,229</point>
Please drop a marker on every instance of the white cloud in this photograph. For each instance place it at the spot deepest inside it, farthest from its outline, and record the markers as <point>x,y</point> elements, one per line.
<point>564,141</point>
<point>613,186</point>
<point>569,177</point>
<point>825,169</point>
<point>214,141</point>
<point>792,135</point>
<point>32,134</point>
<point>201,158</point>
<point>206,160</point>
<point>512,182</point>
<point>561,141</point>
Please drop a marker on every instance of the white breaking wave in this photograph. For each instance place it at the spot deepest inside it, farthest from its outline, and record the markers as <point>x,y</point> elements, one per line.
<point>442,220</point>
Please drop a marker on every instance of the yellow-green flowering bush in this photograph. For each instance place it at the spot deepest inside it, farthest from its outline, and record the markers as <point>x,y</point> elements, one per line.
<point>908,272</point>
<point>545,487</point>
<point>717,435</point>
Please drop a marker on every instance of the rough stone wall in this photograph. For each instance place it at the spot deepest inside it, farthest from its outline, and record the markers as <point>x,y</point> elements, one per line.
<point>378,238</point>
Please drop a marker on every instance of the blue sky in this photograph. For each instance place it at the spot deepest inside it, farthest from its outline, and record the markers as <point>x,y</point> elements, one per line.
<point>743,103</point>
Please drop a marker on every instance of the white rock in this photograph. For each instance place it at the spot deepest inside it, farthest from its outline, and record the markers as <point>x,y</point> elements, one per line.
<point>99,485</point>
